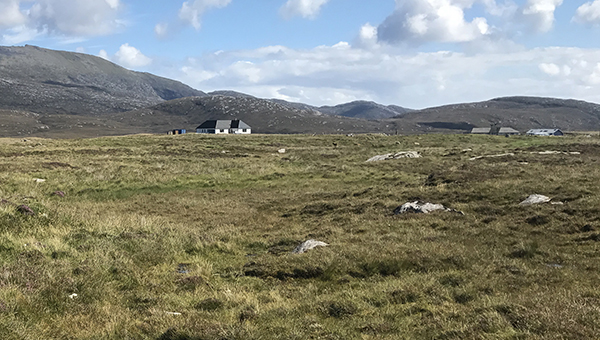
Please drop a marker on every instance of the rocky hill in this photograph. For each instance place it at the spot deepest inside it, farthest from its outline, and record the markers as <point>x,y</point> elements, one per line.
<point>55,82</point>
<point>521,113</point>
<point>265,116</point>
<point>365,110</point>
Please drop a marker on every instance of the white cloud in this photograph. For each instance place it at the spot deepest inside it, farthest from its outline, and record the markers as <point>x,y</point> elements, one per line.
<point>76,17</point>
<point>550,69</point>
<point>10,14</point>
<point>540,13</point>
<point>20,34</point>
<point>367,36</point>
<point>420,21</point>
<point>330,75</point>
<point>588,13</point>
<point>191,12</point>
<point>308,9</point>
<point>161,30</point>
<point>131,57</point>
<point>104,55</point>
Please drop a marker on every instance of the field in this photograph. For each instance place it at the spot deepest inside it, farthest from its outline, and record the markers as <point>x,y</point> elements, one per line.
<point>190,237</point>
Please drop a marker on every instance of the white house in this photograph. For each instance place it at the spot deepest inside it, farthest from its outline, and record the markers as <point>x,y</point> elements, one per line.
<point>545,132</point>
<point>508,131</point>
<point>235,126</point>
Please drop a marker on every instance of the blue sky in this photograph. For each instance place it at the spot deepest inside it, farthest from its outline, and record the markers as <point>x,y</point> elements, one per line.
<point>413,53</point>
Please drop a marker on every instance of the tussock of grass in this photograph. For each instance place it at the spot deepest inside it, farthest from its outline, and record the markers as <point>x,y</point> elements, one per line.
<point>191,238</point>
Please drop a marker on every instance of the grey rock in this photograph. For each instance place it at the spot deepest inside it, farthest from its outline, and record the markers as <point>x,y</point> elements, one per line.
<point>422,207</point>
<point>308,245</point>
<point>398,155</point>
<point>535,199</point>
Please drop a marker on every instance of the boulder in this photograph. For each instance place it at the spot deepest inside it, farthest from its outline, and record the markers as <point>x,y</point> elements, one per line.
<point>308,245</point>
<point>422,207</point>
<point>535,199</point>
<point>398,155</point>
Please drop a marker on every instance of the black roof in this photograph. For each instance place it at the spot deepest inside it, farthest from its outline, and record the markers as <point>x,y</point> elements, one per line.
<point>224,124</point>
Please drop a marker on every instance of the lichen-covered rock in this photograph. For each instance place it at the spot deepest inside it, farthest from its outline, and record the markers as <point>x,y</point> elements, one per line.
<point>398,155</point>
<point>536,199</point>
<point>308,245</point>
<point>422,207</point>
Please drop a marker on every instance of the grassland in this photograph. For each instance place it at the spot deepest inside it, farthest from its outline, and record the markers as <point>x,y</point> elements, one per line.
<point>189,237</point>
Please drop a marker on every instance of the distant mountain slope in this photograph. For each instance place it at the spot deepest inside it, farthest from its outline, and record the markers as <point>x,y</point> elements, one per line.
<point>521,113</point>
<point>265,116</point>
<point>364,110</point>
<point>357,109</point>
<point>56,82</point>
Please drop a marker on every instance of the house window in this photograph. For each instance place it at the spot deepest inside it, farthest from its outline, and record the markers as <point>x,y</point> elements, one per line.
<point>222,130</point>
<point>244,130</point>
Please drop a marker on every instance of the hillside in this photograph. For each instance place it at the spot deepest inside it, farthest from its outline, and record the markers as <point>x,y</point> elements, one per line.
<point>55,82</point>
<point>265,116</point>
<point>364,110</point>
<point>521,113</point>
<point>192,237</point>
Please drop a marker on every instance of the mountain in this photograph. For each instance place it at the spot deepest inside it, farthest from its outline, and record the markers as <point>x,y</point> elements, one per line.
<point>364,110</point>
<point>521,113</point>
<point>45,81</point>
<point>265,116</point>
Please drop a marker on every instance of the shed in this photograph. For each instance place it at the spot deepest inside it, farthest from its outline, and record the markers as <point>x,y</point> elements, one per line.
<point>508,131</point>
<point>177,132</point>
<point>234,126</point>
<point>545,132</point>
<point>481,131</point>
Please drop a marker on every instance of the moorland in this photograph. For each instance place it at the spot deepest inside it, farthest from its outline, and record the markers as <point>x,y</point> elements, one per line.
<point>190,237</point>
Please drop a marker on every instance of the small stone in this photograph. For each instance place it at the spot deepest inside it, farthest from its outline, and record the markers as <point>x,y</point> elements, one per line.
<point>25,210</point>
<point>422,207</point>
<point>281,151</point>
<point>308,245</point>
<point>39,180</point>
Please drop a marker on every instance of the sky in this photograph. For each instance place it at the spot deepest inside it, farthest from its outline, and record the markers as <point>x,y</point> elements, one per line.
<point>412,53</point>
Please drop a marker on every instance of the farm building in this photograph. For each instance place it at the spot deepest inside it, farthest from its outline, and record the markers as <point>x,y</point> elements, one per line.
<point>481,131</point>
<point>235,126</point>
<point>545,132</point>
<point>495,130</point>
<point>508,131</point>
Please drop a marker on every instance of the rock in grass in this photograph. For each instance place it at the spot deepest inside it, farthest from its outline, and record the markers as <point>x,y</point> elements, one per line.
<point>25,210</point>
<point>308,245</point>
<point>535,199</point>
<point>422,207</point>
<point>403,154</point>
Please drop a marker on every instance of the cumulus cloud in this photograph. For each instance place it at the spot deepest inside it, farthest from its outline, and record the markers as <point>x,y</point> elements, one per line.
<point>540,14</point>
<point>330,75</point>
<point>420,21</point>
<point>131,57</point>
<point>308,9</point>
<point>191,12</point>
<point>60,17</point>
<point>10,14</point>
<point>588,13</point>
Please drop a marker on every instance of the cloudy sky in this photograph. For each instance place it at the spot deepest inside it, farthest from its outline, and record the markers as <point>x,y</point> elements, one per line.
<point>413,53</point>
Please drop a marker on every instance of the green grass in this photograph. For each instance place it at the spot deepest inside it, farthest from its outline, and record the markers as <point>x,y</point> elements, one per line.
<point>203,227</point>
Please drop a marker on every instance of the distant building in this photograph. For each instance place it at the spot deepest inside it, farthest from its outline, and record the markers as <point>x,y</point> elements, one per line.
<point>508,131</point>
<point>481,131</point>
<point>177,132</point>
<point>495,130</point>
<point>235,126</point>
<point>545,132</point>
